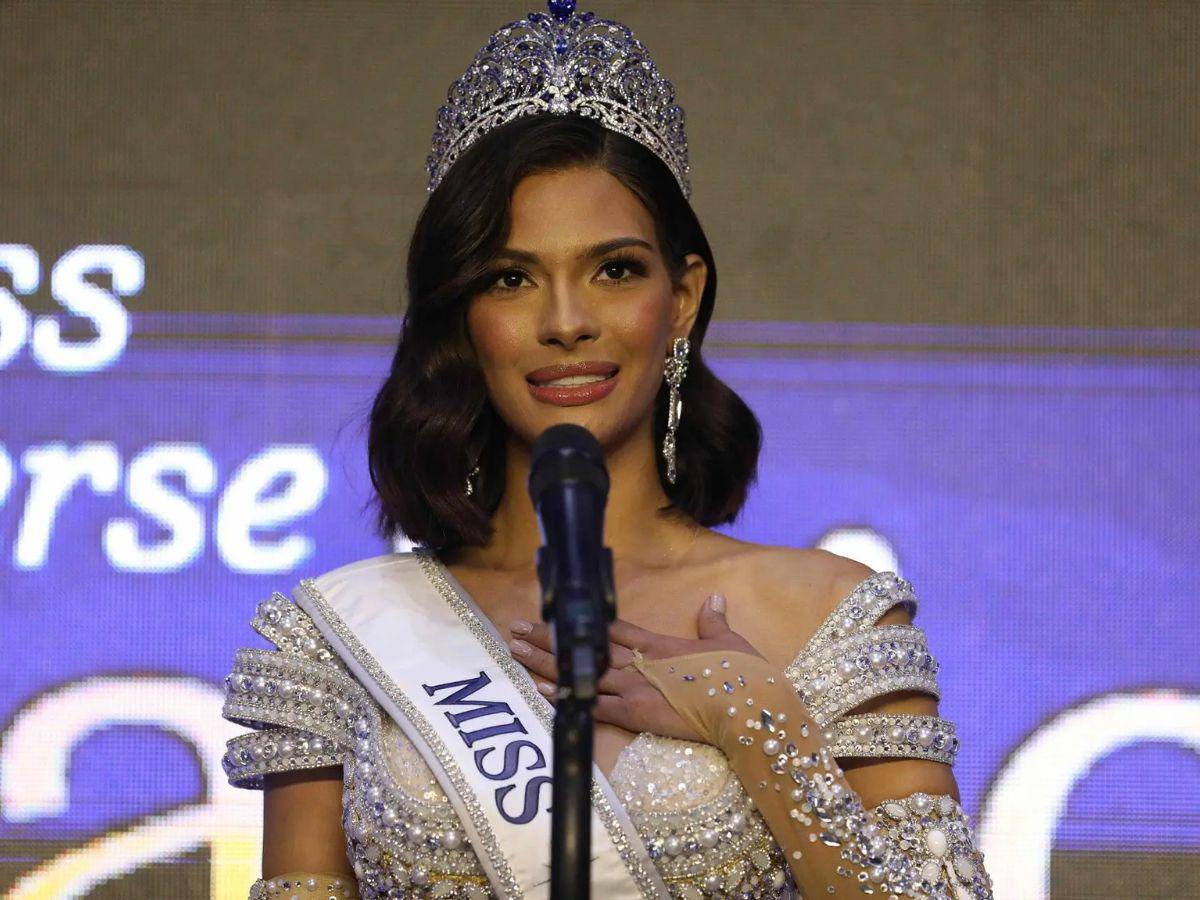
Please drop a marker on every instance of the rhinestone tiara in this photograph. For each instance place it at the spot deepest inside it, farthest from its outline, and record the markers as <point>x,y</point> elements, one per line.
<point>562,62</point>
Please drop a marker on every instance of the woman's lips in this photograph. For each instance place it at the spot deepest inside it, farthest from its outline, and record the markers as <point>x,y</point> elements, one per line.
<point>539,381</point>
<point>578,395</point>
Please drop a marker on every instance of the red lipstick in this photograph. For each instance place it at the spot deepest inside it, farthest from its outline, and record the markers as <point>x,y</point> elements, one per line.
<point>572,394</point>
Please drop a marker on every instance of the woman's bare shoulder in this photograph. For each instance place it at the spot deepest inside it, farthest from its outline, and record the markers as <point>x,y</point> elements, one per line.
<point>787,592</point>
<point>800,574</point>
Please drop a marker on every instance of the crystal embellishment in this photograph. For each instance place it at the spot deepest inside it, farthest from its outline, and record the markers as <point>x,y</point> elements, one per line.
<point>700,828</point>
<point>562,63</point>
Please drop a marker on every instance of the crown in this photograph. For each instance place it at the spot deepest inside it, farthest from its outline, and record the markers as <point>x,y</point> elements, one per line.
<point>562,62</point>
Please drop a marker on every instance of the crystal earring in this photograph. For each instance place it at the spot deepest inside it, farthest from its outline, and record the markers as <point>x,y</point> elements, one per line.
<point>676,369</point>
<point>469,488</point>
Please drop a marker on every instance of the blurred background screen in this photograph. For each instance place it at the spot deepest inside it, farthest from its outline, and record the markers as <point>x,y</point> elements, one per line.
<point>959,247</point>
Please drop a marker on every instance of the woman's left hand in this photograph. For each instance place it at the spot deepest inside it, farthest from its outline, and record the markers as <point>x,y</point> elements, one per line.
<point>627,699</point>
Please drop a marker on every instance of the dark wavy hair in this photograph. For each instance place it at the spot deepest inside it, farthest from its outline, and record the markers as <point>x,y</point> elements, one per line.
<point>432,419</point>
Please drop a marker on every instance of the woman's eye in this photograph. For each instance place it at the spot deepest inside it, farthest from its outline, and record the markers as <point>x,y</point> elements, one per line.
<point>620,269</point>
<point>612,271</point>
<point>509,280</point>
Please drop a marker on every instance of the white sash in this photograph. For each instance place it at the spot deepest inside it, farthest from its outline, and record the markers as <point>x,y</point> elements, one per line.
<point>434,662</point>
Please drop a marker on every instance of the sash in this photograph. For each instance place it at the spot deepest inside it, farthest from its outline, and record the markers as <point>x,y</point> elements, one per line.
<point>418,643</point>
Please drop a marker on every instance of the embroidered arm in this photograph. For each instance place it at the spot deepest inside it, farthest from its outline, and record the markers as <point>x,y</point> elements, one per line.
<point>917,846</point>
<point>299,699</point>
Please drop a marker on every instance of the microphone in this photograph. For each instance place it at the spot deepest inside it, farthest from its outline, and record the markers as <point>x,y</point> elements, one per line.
<point>568,485</point>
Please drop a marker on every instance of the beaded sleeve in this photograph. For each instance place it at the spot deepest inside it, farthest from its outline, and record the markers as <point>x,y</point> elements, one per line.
<point>299,698</point>
<point>916,846</point>
<point>850,661</point>
<point>318,885</point>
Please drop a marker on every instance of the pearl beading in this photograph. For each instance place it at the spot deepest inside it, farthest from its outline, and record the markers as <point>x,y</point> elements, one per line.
<point>248,757</point>
<point>290,629</point>
<point>270,688</point>
<point>852,670</point>
<point>297,885</point>
<point>401,836</point>
<point>411,856</point>
<point>266,686</point>
<point>382,873</point>
<point>861,609</point>
<point>935,826</point>
<point>919,846</point>
<point>693,814</point>
<point>632,855</point>
<point>851,660</point>
<point>900,735</point>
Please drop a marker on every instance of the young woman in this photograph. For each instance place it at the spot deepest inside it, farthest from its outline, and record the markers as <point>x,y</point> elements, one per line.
<point>769,725</point>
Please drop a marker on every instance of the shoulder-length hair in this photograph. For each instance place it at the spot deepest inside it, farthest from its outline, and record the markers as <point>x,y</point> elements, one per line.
<point>432,421</point>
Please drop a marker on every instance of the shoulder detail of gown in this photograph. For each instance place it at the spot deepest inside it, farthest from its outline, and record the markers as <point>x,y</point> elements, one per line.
<point>403,836</point>
<point>851,660</point>
<point>309,711</point>
<point>298,697</point>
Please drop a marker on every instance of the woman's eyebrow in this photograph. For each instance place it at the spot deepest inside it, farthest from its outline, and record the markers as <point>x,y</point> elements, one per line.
<point>595,250</point>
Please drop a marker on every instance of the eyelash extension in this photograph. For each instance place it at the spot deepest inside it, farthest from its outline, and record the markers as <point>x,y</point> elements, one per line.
<point>632,265</point>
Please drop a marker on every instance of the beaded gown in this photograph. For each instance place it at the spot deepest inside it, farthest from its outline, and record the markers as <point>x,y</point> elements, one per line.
<point>698,825</point>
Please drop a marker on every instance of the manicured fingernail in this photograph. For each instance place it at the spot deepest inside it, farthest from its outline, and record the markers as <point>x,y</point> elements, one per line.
<point>545,688</point>
<point>716,602</point>
<point>520,626</point>
<point>520,648</point>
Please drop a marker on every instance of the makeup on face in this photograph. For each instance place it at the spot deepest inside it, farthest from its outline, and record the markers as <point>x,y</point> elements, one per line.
<point>573,384</point>
<point>575,304</point>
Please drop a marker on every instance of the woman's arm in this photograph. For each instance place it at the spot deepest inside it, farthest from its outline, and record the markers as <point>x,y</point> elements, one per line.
<point>905,834</point>
<point>304,847</point>
<point>302,823</point>
<point>303,842</point>
<point>913,842</point>
<point>299,701</point>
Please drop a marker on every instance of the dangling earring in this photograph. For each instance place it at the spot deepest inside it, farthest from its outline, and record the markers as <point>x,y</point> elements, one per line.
<point>676,369</point>
<point>469,489</point>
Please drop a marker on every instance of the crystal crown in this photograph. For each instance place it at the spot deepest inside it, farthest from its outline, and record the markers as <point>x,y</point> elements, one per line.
<point>562,62</point>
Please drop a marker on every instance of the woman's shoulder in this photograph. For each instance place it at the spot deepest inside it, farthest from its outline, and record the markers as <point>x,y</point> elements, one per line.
<point>788,593</point>
<point>786,576</point>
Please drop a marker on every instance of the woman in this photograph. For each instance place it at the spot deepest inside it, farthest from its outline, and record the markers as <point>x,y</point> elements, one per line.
<point>784,740</point>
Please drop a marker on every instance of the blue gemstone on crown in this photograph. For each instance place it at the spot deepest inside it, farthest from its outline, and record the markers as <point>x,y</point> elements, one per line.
<point>562,63</point>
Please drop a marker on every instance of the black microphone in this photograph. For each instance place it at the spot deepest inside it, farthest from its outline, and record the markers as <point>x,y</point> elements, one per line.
<point>568,485</point>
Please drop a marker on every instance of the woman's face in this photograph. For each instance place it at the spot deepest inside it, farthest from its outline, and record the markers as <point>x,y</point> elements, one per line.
<point>581,282</point>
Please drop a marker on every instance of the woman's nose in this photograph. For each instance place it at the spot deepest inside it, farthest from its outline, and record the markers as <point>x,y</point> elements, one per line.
<point>567,319</point>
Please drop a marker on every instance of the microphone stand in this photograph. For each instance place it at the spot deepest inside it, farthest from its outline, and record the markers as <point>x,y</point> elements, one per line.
<point>579,603</point>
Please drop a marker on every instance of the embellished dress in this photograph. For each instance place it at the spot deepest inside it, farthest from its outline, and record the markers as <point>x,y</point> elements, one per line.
<point>700,828</point>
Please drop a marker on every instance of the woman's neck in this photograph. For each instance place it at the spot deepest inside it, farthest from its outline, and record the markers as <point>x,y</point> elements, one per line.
<point>638,533</point>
